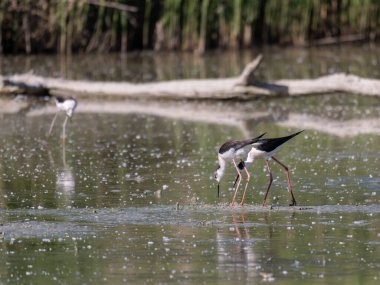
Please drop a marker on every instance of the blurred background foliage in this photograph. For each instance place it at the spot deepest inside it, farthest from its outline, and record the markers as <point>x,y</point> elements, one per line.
<point>71,26</point>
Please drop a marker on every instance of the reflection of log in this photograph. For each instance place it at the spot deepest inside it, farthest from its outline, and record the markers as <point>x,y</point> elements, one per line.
<point>246,118</point>
<point>13,106</point>
<point>193,111</point>
<point>222,88</point>
<point>348,128</point>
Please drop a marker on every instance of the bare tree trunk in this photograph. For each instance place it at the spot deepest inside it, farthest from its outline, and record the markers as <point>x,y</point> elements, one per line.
<point>124,32</point>
<point>26,28</point>
<point>203,30</point>
<point>69,17</point>
<point>138,30</point>
<point>258,31</point>
<point>1,30</point>
<point>154,14</point>
<point>63,28</point>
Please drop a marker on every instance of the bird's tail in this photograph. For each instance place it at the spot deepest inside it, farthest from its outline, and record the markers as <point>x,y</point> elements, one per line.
<point>283,140</point>
<point>295,134</point>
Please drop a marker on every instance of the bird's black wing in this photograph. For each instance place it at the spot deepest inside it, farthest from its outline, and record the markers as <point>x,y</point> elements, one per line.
<point>59,99</point>
<point>269,145</point>
<point>238,144</point>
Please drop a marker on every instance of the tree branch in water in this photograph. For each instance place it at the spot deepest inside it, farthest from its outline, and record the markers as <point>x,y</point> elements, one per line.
<point>239,87</point>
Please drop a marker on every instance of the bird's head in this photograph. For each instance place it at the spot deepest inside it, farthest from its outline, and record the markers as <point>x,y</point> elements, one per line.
<point>218,173</point>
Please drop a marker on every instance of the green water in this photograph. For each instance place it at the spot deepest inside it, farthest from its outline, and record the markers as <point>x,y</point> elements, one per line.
<point>278,63</point>
<point>129,198</point>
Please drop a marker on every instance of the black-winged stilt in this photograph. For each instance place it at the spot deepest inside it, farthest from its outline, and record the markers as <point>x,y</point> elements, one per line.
<point>230,152</point>
<point>264,149</point>
<point>66,105</point>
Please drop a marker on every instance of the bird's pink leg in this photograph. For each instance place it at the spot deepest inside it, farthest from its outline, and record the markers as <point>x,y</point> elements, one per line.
<point>237,176</point>
<point>246,185</point>
<point>294,203</point>
<point>270,182</point>
<point>238,184</point>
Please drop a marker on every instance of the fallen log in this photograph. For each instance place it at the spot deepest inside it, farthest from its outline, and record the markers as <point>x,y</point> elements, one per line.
<point>240,87</point>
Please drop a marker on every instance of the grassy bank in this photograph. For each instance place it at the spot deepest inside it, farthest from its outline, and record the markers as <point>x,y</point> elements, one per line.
<point>66,26</point>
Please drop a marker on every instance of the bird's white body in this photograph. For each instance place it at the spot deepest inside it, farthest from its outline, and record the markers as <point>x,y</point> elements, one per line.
<point>259,154</point>
<point>67,106</point>
<point>231,154</point>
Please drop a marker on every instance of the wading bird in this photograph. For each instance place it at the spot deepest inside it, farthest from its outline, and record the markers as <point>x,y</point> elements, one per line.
<point>230,152</point>
<point>66,105</point>
<point>264,149</point>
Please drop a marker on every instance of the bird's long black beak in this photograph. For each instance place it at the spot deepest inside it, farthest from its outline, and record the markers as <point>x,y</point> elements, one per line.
<point>237,177</point>
<point>218,190</point>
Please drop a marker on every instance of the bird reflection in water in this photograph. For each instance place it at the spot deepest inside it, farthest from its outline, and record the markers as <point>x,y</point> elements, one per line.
<point>236,256</point>
<point>65,182</point>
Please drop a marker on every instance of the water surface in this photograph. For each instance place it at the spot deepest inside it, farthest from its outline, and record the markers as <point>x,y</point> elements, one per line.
<point>130,198</point>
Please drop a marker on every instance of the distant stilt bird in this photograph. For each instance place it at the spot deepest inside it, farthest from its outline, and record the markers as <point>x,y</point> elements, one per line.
<point>66,105</point>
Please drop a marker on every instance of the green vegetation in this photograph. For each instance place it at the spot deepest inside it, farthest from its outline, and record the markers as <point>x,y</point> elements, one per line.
<point>67,26</point>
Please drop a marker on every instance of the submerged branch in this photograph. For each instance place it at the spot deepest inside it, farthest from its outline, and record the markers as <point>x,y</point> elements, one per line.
<point>217,89</point>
